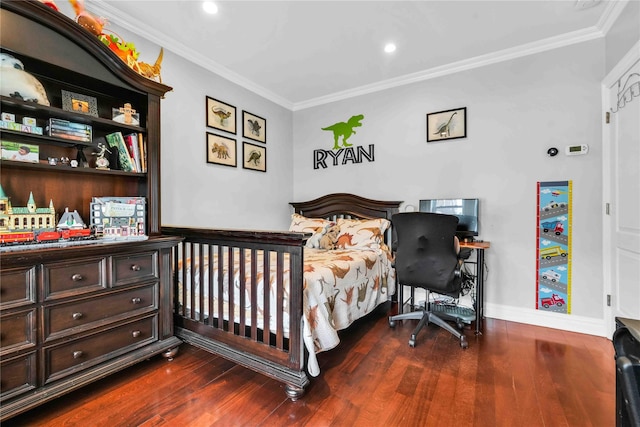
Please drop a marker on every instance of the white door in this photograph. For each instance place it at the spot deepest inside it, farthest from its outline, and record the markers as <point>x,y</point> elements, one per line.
<point>621,93</point>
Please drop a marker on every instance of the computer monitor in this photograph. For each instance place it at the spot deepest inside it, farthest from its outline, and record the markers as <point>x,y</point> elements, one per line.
<point>465,209</point>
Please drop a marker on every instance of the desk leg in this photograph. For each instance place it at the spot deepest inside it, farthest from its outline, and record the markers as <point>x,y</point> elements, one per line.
<point>479,290</point>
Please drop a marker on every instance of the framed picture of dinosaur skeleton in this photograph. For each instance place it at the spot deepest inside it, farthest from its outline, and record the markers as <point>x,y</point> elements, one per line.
<point>449,124</point>
<point>221,115</point>
<point>254,127</point>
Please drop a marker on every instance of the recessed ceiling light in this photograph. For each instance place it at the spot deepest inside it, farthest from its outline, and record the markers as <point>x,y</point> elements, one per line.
<point>210,7</point>
<point>389,47</point>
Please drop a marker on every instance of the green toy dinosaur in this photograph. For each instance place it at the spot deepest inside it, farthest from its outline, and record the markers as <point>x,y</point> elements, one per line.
<point>344,130</point>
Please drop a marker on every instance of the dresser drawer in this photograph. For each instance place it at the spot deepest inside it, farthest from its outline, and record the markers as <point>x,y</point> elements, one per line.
<point>63,319</point>
<point>74,277</point>
<point>17,331</point>
<point>17,287</point>
<point>73,356</point>
<point>17,375</point>
<point>135,268</point>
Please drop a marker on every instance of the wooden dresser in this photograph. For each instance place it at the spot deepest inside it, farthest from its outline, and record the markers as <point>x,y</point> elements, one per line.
<point>73,319</point>
<point>71,315</point>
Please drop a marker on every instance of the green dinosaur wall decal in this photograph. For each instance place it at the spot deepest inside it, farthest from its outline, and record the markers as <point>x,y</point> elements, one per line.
<point>344,130</point>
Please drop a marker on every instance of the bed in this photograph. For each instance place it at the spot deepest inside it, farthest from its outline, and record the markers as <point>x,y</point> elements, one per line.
<point>266,301</point>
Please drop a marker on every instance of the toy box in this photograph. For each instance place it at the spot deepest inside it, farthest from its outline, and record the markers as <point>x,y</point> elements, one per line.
<point>119,217</point>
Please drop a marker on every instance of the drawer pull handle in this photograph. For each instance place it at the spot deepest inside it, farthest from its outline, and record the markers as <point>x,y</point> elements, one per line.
<point>77,277</point>
<point>136,300</point>
<point>76,316</point>
<point>135,267</point>
<point>77,354</point>
<point>135,334</point>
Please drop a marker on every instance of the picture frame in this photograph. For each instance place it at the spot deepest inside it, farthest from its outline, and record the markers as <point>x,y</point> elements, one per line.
<point>221,115</point>
<point>221,150</point>
<point>254,157</point>
<point>79,103</point>
<point>448,124</point>
<point>254,127</point>
<point>19,152</point>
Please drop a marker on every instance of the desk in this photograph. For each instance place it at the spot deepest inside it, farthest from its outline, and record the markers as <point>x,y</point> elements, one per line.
<point>479,247</point>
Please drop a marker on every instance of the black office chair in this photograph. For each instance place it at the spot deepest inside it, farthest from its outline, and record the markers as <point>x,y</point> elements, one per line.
<point>426,257</point>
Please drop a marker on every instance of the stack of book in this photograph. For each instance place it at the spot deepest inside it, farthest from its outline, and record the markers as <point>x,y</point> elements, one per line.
<point>131,151</point>
<point>68,130</point>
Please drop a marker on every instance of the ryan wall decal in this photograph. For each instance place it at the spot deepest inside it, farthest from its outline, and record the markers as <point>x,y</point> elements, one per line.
<point>343,152</point>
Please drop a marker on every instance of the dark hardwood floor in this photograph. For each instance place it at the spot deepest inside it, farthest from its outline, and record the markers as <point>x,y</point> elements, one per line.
<point>513,375</point>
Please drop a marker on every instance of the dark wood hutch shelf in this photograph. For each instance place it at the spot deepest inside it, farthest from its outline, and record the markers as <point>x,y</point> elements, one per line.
<point>73,315</point>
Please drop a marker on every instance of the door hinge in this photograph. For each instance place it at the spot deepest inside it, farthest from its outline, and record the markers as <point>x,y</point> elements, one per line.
<point>607,117</point>
<point>608,300</point>
<point>607,209</point>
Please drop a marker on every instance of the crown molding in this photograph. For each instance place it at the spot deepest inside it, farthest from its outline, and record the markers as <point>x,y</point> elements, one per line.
<point>160,38</point>
<point>550,43</point>
<point>608,18</point>
<point>611,13</point>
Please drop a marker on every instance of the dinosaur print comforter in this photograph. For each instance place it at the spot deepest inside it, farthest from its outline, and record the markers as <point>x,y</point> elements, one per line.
<point>340,286</point>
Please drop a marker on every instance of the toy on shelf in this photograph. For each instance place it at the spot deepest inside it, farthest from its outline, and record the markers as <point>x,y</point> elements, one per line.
<point>86,20</point>
<point>34,225</point>
<point>17,83</point>
<point>119,218</point>
<point>51,4</point>
<point>126,51</point>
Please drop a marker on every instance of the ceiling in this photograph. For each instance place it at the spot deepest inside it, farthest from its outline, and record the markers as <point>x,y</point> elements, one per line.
<point>304,53</point>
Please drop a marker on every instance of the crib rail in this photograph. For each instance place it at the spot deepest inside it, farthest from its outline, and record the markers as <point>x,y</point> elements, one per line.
<point>258,344</point>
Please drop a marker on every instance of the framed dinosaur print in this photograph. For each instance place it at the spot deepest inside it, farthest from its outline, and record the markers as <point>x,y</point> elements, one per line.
<point>221,115</point>
<point>221,150</point>
<point>254,157</point>
<point>254,127</point>
<point>449,124</point>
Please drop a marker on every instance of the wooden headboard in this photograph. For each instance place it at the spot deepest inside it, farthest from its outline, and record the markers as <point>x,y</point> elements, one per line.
<point>344,205</point>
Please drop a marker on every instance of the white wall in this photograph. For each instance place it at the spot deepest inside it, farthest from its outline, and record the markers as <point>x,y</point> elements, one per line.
<point>198,194</point>
<point>516,111</point>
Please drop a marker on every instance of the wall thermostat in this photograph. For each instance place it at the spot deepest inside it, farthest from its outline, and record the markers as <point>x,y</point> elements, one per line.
<point>574,150</point>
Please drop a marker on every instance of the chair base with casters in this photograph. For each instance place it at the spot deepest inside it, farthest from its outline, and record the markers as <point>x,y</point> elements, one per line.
<point>425,316</point>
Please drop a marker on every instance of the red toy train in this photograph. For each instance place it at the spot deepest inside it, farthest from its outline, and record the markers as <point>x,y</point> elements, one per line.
<point>43,236</point>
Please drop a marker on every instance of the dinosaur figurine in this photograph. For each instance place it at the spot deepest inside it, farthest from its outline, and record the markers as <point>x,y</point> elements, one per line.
<point>151,71</point>
<point>91,23</point>
<point>344,130</point>
<point>445,129</point>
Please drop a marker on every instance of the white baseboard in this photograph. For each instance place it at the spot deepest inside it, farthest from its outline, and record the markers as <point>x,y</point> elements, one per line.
<point>573,323</point>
